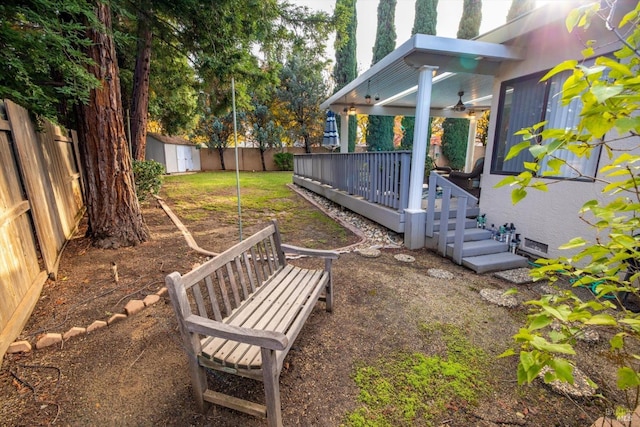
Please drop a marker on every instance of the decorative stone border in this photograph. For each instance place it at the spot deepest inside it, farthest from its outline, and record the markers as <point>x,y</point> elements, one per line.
<point>49,339</point>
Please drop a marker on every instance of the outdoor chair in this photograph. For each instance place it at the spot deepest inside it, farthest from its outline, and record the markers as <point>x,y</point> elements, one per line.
<point>470,181</point>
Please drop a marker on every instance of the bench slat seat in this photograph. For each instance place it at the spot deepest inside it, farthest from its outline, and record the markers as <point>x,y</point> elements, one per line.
<point>241,311</point>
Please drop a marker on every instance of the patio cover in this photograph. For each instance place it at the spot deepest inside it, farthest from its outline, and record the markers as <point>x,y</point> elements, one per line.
<point>422,78</point>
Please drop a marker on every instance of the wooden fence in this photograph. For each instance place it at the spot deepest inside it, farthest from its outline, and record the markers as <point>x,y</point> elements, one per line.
<point>41,204</point>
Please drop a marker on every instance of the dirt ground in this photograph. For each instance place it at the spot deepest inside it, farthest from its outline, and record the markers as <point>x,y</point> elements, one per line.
<point>134,372</point>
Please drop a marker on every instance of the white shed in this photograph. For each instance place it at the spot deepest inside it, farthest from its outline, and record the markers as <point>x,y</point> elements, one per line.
<point>175,153</point>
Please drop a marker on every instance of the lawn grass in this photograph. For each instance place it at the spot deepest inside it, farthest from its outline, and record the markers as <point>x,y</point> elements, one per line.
<point>263,195</point>
<point>196,195</point>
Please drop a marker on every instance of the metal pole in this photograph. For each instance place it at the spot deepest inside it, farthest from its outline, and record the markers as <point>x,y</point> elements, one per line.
<point>235,140</point>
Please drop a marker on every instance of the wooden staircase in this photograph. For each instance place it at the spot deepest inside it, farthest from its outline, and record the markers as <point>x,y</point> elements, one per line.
<point>461,240</point>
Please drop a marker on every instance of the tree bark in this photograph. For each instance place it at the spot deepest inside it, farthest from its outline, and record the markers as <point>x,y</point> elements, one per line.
<point>112,205</point>
<point>221,154</point>
<point>140,95</point>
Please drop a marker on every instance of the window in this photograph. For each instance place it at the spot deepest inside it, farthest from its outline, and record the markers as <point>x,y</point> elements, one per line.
<point>525,102</point>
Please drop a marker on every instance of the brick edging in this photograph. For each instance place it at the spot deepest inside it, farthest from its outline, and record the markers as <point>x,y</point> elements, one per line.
<point>51,338</point>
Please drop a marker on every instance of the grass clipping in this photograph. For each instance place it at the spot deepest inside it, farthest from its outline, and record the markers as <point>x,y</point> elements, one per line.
<point>415,389</point>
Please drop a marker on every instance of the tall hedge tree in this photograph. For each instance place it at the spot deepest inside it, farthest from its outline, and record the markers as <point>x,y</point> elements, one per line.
<point>115,218</point>
<point>520,7</point>
<point>425,22</point>
<point>455,131</point>
<point>346,68</point>
<point>380,128</point>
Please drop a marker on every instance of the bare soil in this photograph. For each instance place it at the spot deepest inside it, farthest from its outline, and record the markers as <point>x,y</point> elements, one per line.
<point>134,372</point>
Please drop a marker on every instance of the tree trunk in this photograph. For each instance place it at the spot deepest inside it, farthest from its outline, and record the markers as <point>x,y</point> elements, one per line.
<point>307,143</point>
<point>140,95</point>
<point>112,205</point>
<point>221,154</point>
<point>264,164</point>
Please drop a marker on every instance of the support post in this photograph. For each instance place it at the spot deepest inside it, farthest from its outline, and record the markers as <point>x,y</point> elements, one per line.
<point>344,133</point>
<point>471,143</point>
<point>415,215</point>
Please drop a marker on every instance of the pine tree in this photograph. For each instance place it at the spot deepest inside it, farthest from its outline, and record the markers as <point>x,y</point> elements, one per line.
<point>346,68</point>
<point>380,128</point>
<point>424,23</point>
<point>455,131</point>
<point>520,7</point>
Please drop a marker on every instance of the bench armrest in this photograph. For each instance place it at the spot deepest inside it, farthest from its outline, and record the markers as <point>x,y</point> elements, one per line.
<point>310,252</point>
<point>267,339</point>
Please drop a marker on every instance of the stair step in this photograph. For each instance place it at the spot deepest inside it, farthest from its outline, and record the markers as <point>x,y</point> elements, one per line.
<point>471,212</point>
<point>494,262</point>
<point>470,234</point>
<point>479,247</point>
<point>469,223</point>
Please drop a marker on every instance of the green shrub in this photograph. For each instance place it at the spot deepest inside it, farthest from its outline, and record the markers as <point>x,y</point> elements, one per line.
<point>284,161</point>
<point>148,177</point>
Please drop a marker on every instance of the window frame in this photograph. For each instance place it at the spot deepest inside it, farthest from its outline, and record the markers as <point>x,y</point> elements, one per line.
<point>499,141</point>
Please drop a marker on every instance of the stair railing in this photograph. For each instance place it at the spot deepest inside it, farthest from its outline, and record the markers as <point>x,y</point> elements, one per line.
<point>464,200</point>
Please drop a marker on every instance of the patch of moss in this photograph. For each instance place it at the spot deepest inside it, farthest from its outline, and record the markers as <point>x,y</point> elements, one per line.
<point>416,389</point>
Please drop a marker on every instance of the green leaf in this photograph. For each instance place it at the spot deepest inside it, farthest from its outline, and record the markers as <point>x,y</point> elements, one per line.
<point>563,66</point>
<point>516,149</point>
<point>602,93</point>
<point>509,180</point>
<point>517,195</point>
<point>538,151</point>
<point>617,341</point>
<point>576,242</point>
<point>540,322</point>
<point>614,65</point>
<point>544,345</point>
<point>563,369</point>
<point>602,319</point>
<point>627,378</point>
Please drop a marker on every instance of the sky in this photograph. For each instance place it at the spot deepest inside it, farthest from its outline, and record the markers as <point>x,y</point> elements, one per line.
<point>494,14</point>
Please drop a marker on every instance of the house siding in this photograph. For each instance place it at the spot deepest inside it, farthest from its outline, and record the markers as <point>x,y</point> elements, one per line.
<point>549,217</point>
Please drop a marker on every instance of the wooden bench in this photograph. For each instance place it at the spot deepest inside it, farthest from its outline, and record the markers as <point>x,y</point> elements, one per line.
<point>241,311</point>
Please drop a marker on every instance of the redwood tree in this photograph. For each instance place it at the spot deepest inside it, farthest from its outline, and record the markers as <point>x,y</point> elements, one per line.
<point>115,218</point>
<point>140,95</point>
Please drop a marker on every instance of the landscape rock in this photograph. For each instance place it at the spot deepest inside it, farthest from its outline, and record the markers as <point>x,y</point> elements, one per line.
<point>440,274</point>
<point>96,325</point>
<point>369,252</point>
<point>579,388</point>
<point>497,296</point>
<point>162,291</point>
<point>519,276</point>
<point>404,258</point>
<point>48,340</point>
<point>151,299</point>
<point>74,331</point>
<point>134,306</point>
<point>19,347</point>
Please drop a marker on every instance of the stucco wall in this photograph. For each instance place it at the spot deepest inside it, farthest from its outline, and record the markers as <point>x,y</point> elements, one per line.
<point>549,217</point>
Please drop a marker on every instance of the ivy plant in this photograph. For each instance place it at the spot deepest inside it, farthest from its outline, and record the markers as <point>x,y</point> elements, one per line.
<point>609,91</point>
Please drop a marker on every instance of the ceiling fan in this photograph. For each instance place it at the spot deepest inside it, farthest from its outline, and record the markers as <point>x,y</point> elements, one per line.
<point>459,107</point>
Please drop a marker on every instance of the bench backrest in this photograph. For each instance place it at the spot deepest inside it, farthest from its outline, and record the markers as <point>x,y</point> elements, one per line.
<point>215,288</point>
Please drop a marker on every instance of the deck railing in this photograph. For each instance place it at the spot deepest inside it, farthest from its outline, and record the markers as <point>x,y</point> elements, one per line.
<point>465,200</point>
<point>381,177</point>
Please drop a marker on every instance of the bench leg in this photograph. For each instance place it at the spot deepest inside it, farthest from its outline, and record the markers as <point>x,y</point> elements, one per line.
<point>329,287</point>
<point>271,378</point>
<point>199,383</point>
